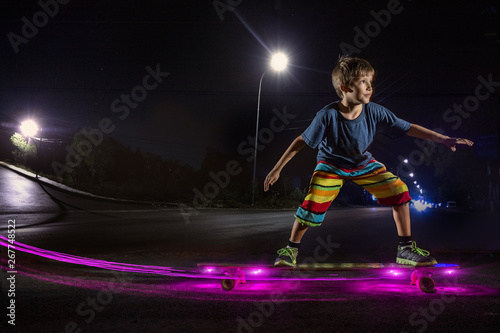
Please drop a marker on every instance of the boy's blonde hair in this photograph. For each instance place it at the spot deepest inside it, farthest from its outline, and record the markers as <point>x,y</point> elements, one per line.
<point>347,70</point>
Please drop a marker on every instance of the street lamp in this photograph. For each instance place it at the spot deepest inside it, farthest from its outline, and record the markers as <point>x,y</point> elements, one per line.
<point>405,161</point>
<point>29,128</point>
<point>279,62</point>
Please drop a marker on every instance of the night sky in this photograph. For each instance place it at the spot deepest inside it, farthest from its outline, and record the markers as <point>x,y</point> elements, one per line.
<point>85,55</point>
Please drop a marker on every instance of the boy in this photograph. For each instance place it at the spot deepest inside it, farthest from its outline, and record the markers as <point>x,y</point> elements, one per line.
<point>343,131</point>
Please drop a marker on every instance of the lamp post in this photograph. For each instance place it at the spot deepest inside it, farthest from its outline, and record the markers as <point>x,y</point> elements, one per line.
<point>29,128</point>
<point>279,62</point>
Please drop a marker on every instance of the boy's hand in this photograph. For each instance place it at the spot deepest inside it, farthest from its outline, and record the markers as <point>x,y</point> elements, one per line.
<point>271,178</point>
<point>420,132</point>
<point>453,142</point>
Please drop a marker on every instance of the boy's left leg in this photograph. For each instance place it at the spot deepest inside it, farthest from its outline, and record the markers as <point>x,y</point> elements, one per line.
<point>408,252</point>
<point>390,190</point>
<point>401,216</point>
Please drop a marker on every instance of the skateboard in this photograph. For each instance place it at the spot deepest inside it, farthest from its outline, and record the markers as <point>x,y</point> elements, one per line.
<point>232,274</point>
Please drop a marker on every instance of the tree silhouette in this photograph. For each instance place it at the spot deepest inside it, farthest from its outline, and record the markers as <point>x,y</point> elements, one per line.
<point>24,152</point>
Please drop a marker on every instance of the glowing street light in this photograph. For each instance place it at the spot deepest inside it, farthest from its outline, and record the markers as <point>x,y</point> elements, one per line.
<point>29,128</point>
<point>405,161</point>
<point>279,62</point>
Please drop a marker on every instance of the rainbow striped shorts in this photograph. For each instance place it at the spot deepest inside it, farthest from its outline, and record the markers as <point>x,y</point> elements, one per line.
<point>327,180</point>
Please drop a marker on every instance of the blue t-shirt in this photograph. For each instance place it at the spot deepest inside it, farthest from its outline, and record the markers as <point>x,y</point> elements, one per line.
<point>345,143</point>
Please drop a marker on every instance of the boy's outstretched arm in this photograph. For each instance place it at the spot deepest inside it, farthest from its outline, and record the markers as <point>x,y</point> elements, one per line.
<point>294,148</point>
<point>420,132</point>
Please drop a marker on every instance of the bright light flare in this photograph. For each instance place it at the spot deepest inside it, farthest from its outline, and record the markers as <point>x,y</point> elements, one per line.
<point>29,128</point>
<point>279,62</point>
<point>422,205</point>
<point>393,272</point>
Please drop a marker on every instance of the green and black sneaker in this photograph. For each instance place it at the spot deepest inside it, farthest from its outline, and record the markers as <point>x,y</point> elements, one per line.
<point>287,256</point>
<point>413,255</point>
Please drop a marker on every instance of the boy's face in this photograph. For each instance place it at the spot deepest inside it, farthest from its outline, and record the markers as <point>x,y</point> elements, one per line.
<point>360,91</point>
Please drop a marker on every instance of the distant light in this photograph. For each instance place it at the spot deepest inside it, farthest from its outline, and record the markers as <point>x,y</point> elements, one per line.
<point>405,160</point>
<point>415,182</point>
<point>411,174</point>
<point>421,205</point>
<point>418,186</point>
<point>29,128</point>
<point>279,61</point>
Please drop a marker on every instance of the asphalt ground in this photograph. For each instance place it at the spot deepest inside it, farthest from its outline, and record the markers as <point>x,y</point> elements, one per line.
<point>55,296</point>
<point>61,297</point>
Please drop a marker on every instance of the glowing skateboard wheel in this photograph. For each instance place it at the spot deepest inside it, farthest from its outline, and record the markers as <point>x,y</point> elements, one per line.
<point>426,284</point>
<point>414,277</point>
<point>228,284</point>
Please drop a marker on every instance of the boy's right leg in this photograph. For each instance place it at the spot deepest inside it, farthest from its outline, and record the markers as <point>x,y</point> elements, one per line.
<point>323,189</point>
<point>287,256</point>
<point>298,231</point>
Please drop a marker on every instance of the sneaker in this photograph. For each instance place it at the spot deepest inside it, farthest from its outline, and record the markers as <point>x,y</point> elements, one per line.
<point>287,256</point>
<point>414,256</point>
